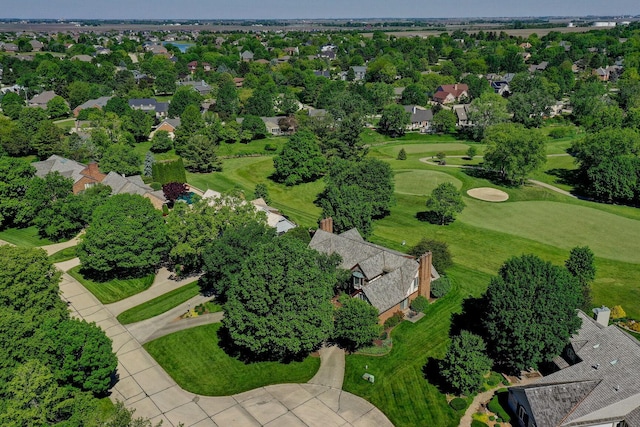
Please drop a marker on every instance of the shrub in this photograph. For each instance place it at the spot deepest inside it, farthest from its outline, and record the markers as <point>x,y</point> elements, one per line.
<point>270,147</point>
<point>476,423</point>
<point>169,171</point>
<point>402,155</point>
<point>384,335</point>
<point>155,185</point>
<point>419,304</point>
<point>471,152</point>
<point>617,312</point>
<point>440,287</point>
<point>560,132</point>
<point>496,407</point>
<point>394,320</point>
<point>458,404</point>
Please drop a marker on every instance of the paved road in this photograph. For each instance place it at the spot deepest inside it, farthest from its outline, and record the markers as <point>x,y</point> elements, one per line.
<point>52,249</point>
<point>143,385</point>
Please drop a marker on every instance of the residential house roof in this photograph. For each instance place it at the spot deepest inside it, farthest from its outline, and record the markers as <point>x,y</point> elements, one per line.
<point>246,55</point>
<point>274,218</point>
<point>41,99</point>
<point>456,89</point>
<point>389,273</point>
<point>418,114</point>
<point>200,85</point>
<point>65,167</point>
<point>82,58</point>
<point>603,386</point>
<point>94,103</point>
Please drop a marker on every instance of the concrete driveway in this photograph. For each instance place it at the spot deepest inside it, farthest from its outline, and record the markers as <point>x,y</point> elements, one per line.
<point>143,385</point>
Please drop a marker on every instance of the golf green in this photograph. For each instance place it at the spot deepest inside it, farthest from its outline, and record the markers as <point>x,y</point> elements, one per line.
<point>421,182</point>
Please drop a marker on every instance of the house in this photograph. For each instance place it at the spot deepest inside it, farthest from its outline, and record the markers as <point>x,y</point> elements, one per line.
<point>275,126</point>
<point>462,113</point>
<point>238,81</point>
<point>157,49</point>
<point>322,73</point>
<point>134,185</point>
<point>538,67</point>
<point>41,99</point>
<point>193,66</point>
<point>500,87</point>
<point>36,45</point>
<point>597,382</point>
<point>9,47</point>
<point>82,58</point>
<point>387,279</point>
<point>246,56</point>
<point>151,105</point>
<point>83,176</point>
<point>92,103</point>
<point>421,117</point>
<point>201,86</point>
<point>397,93</point>
<point>359,72</point>
<point>168,125</point>
<point>448,94</point>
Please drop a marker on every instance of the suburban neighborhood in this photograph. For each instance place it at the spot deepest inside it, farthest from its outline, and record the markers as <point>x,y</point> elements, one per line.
<point>399,222</point>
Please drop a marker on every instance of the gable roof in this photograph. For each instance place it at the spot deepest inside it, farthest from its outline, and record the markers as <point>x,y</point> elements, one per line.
<point>418,114</point>
<point>42,98</point>
<point>131,185</point>
<point>389,273</point>
<point>456,90</point>
<point>65,167</point>
<point>98,103</point>
<point>604,385</point>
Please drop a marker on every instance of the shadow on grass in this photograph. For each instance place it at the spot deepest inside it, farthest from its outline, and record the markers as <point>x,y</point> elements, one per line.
<point>433,218</point>
<point>469,318</point>
<point>491,176</point>
<point>431,372</point>
<point>225,342</point>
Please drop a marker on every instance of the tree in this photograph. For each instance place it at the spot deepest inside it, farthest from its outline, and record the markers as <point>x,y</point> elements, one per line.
<point>126,237</point>
<point>262,192</point>
<point>445,121</point>
<point>441,257</point>
<point>465,363</point>
<point>471,152</point>
<point>300,159</point>
<point>255,126</point>
<point>199,154</point>
<point>117,105</point>
<point>223,257</point>
<point>273,310</point>
<point>414,94</point>
<point>173,190</point>
<point>57,107</point>
<point>529,312</point>
<point>445,202</point>
<point>183,97</point>
<point>165,82</point>
<point>82,355</point>
<point>530,108</point>
<point>149,160</point>
<point>15,175</point>
<point>260,104</point>
<point>477,85</point>
<point>121,159</point>
<point>487,110</point>
<point>161,142</point>
<point>581,265</point>
<point>139,123</point>
<point>47,139</point>
<point>402,154</point>
<point>394,120</point>
<point>349,207</point>
<point>191,228</point>
<point>514,151</point>
<point>12,104</point>
<point>356,323</point>
<point>227,103</point>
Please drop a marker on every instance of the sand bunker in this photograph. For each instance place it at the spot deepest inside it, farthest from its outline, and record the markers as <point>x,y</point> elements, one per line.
<point>488,194</point>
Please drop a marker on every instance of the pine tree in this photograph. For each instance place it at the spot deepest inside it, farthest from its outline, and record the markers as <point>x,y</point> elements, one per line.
<point>149,160</point>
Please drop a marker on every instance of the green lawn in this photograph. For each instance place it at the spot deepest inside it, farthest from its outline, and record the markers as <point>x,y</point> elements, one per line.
<point>63,255</point>
<point>421,182</point>
<point>195,361</point>
<point>159,304</point>
<point>399,379</point>
<point>27,237</point>
<point>113,290</point>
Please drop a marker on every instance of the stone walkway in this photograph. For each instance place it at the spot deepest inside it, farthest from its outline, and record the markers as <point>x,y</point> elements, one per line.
<point>52,249</point>
<point>144,386</point>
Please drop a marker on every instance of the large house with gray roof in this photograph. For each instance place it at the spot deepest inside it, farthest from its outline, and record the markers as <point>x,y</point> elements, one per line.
<point>134,185</point>
<point>83,176</point>
<point>597,384</point>
<point>387,279</point>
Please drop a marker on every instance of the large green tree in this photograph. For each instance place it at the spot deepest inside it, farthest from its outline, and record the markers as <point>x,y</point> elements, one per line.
<point>356,323</point>
<point>514,151</point>
<point>445,202</point>
<point>126,237</point>
<point>183,97</point>
<point>581,265</point>
<point>394,120</point>
<point>530,312</point>
<point>15,175</point>
<point>465,363</point>
<point>279,306</point>
<point>487,110</point>
<point>300,159</point>
<point>120,158</point>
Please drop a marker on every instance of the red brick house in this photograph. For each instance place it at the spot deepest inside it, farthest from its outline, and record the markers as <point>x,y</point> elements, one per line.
<point>448,94</point>
<point>387,279</point>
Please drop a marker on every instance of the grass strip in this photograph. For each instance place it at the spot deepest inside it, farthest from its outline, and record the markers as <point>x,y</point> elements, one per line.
<point>113,290</point>
<point>159,304</point>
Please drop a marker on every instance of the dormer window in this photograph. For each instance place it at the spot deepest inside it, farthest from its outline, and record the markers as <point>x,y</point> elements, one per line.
<point>358,280</point>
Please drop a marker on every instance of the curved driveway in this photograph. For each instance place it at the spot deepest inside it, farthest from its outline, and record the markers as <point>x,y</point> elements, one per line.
<point>143,384</point>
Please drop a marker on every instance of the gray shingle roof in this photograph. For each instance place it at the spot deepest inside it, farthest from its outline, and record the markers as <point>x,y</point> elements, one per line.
<point>66,167</point>
<point>604,385</point>
<point>389,273</point>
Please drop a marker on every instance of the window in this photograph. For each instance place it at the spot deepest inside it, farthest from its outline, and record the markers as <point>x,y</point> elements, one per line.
<point>415,284</point>
<point>358,280</point>
<point>404,304</point>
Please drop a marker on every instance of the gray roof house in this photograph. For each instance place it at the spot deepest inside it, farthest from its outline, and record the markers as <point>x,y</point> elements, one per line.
<point>385,278</point>
<point>421,117</point>
<point>150,104</point>
<point>598,383</point>
<point>41,99</point>
<point>92,103</point>
<point>133,185</point>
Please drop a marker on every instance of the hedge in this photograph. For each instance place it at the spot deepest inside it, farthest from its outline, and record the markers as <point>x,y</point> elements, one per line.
<point>169,171</point>
<point>440,287</point>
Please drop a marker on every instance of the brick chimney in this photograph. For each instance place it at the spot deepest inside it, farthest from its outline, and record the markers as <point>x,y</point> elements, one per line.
<point>327,225</point>
<point>424,275</point>
<point>455,86</point>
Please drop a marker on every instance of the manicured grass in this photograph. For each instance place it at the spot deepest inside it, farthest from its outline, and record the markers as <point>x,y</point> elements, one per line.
<point>400,382</point>
<point>253,147</point>
<point>559,224</point>
<point>142,148</point>
<point>195,361</point>
<point>63,255</point>
<point>428,150</point>
<point>112,290</point>
<point>26,237</point>
<point>421,182</point>
<point>159,304</point>
<point>245,172</point>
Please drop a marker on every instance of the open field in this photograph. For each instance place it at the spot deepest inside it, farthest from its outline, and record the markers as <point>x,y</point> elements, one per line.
<point>196,362</point>
<point>421,182</point>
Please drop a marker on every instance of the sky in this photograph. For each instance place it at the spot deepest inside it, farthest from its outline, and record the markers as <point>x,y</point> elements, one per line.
<point>310,9</point>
